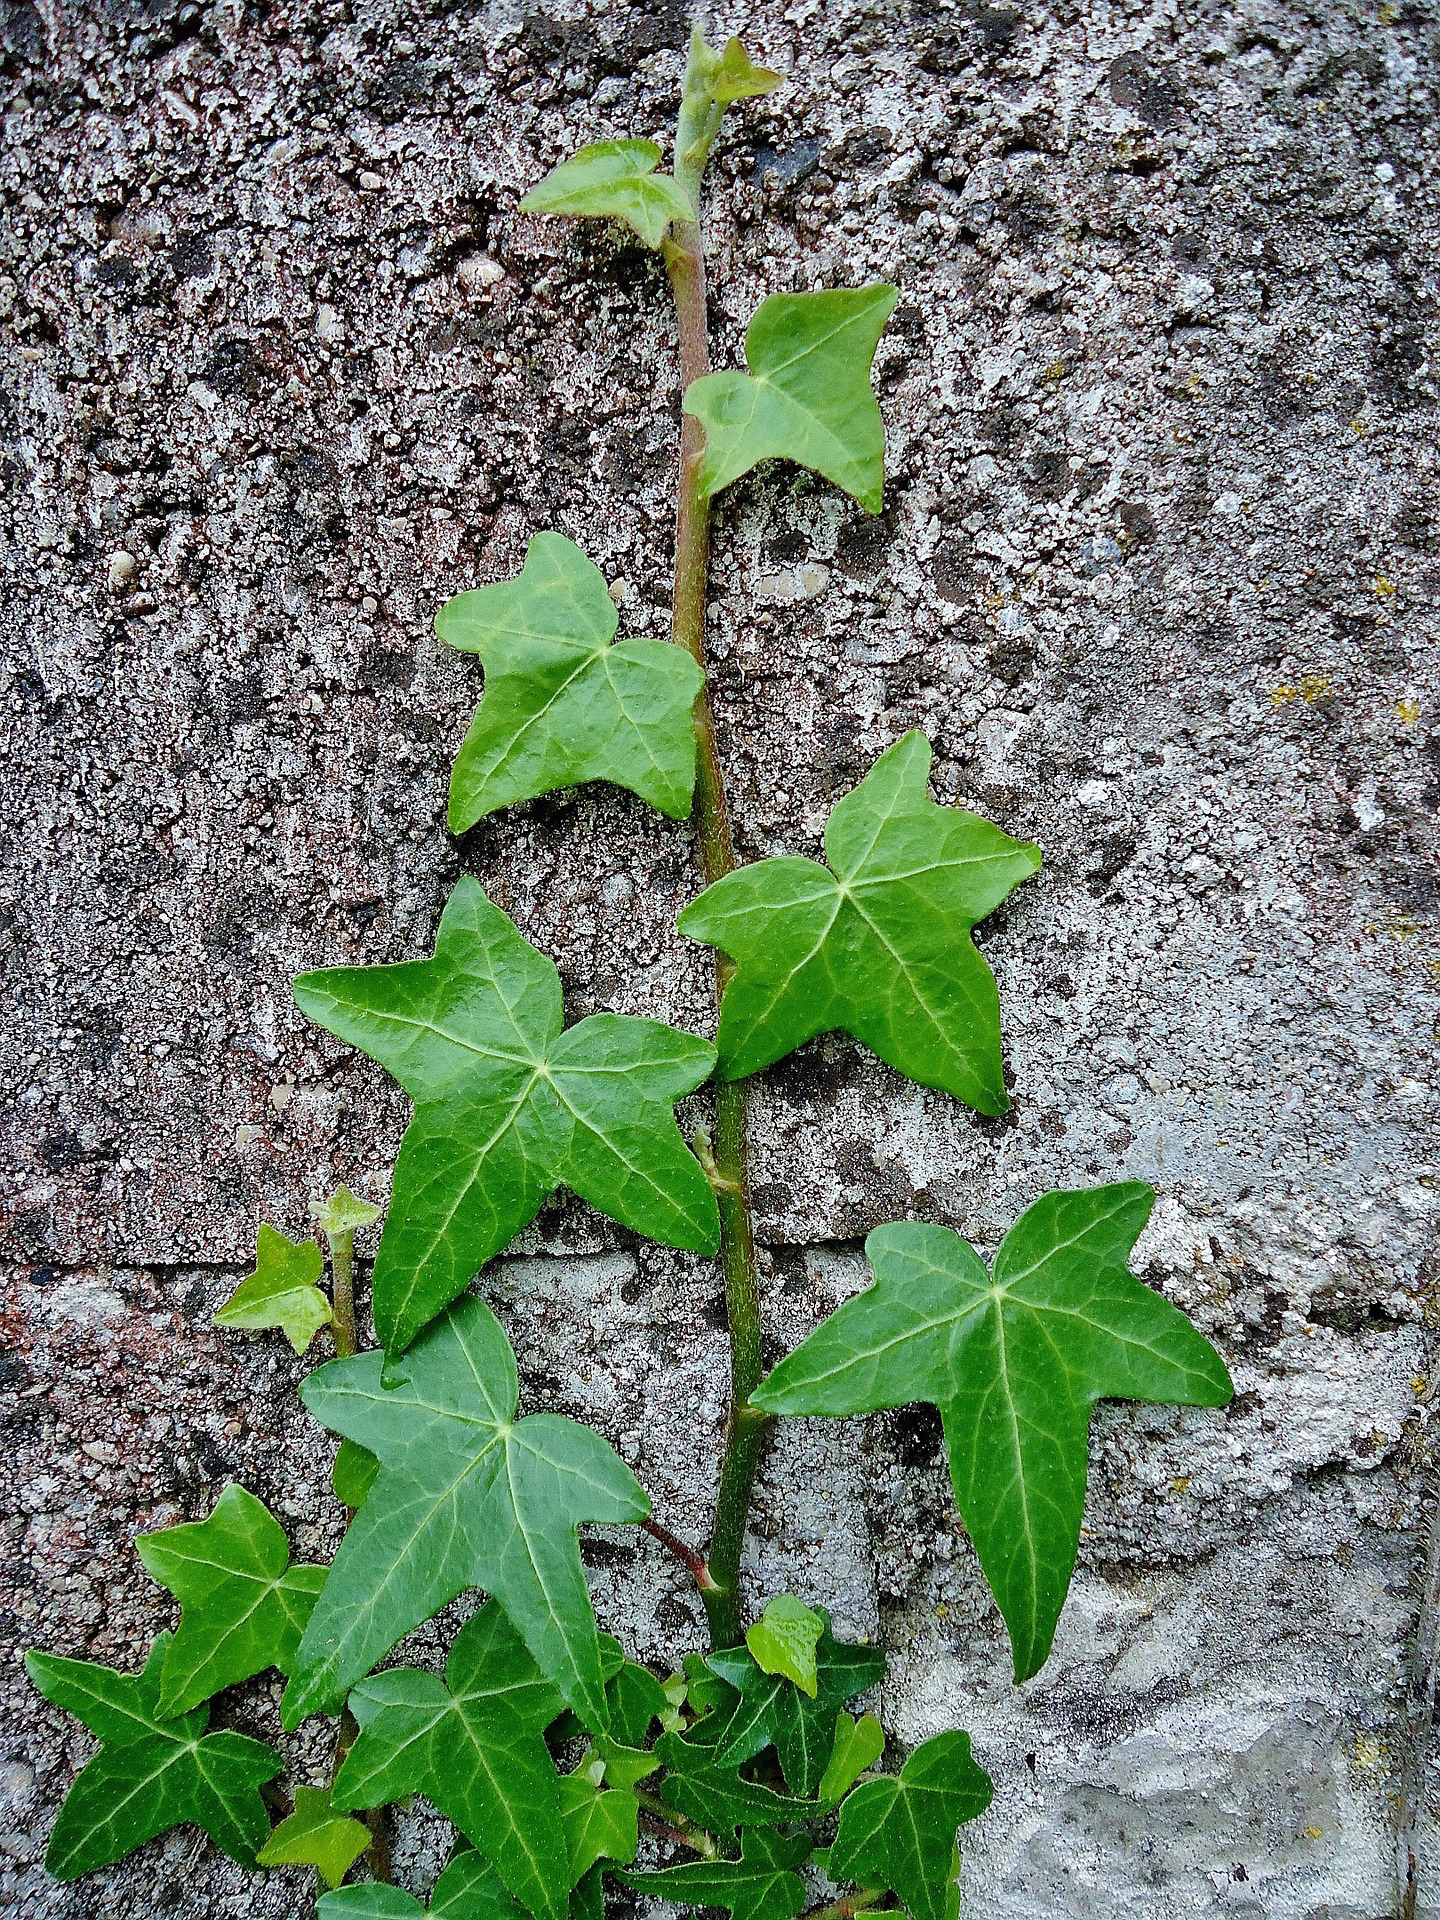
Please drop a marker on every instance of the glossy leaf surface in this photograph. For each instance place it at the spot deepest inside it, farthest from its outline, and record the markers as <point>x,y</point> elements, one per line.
<point>761,1885</point>
<point>616,180</point>
<point>713,1795</point>
<point>877,943</point>
<point>282,1291</point>
<point>315,1835</point>
<point>900,1833</point>
<point>1015,1360</point>
<point>468,1889</point>
<point>858,1745</point>
<point>773,1711</point>
<point>601,1823</point>
<point>783,1641</point>
<point>353,1474</point>
<point>562,704</point>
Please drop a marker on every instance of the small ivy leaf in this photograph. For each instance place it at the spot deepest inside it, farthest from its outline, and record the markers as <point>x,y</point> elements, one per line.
<point>507,1106</point>
<point>1014,1360</point>
<point>772,1711</point>
<point>353,1474</point>
<point>562,705</point>
<point>150,1773</point>
<point>281,1292</point>
<point>467,1496</point>
<point>616,180</point>
<point>243,1607</point>
<point>806,397</point>
<point>343,1212</point>
<point>783,1641</point>
<point>858,1745</point>
<point>761,1885</point>
<point>736,77</point>
<point>713,1795</point>
<point>878,943</point>
<point>900,1833</point>
<point>468,1889</point>
<point>587,1901</point>
<point>316,1836</point>
<point>624,1766</point>
<point>473,1745</point>
<point>601,1823</point>
<point>705,1692</point>
<point>635,1698</point>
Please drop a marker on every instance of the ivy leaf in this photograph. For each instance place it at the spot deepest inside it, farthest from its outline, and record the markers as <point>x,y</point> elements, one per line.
<point>473,1744</point>
<point>507,1106</point>
<point>858,1745</point>
<point>316,1836</point>
<point>761,1885</point>
<point>713,1795</point>
<point>353,1474</point>
<point>1014,1360</point>
<point>466,1496</point>
<point>878,943</point>
<point>900,1833</point>
<point>243,1607</point>
<point>783,1641</point>
<point>635,1698</point>
<point>614,179</point>
<point>150,1773</point>
<point>562,705</point>
<point>344,1212</point>
<point>624,1766</point>
<point>772,1710</point>
<point>736,77</point>
<point>806,397</point>
<point>281,1292</point>
<point>468,1889</point>
<point>601,1823</point>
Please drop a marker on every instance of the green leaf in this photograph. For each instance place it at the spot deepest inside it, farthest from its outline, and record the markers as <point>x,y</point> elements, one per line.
<point>507,1106</point>
<point>736,77</point>
<point>316,1836</point>
<point>587,1901</point>
<point>150,1774</point>
<point>772,1711</point>
<point>900,1833</point>
<point>370,1901</point>
<point>761,1885</point>
<point>636,1698</point>
<point>243,1607</point>
<point>281,1292</point>
<point>878,943</point>
<point>713,1795</point>
<point>858,1745</point>
<point>353,1474</point>
<point>562,705</point>
<point>473,1744</point>
<point>784,1638</point>
<point>467,1496</point>
<point>344,1212</point>
<point>614,179</point>
<point>1014,1360</point>
<point>468,1889</point>
<point>624,1766</point>
<point>601,1823</point>
<point>806,397</point>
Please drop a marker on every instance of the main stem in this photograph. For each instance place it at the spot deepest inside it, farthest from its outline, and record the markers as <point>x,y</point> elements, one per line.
<point>745,1425</point>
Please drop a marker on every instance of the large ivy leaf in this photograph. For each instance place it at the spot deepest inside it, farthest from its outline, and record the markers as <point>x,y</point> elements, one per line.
<point>806,397</point>
<point>616,180</point>
<point>282,1291</point>
<point>713,1795</point>
<point>151,1773</point>
<point>473,1744</point>
<point>562,705</point>
<point>468,1889</point>
<point>761,1885</point>
<point>466,1496</point>
<point>877,943</point>
<point>243,1607</point>
<point>315,1835</point>
<point>507,1106</point>
<point>1014,1359</point>
<point>900,1833</point>
<point>773,1711</point>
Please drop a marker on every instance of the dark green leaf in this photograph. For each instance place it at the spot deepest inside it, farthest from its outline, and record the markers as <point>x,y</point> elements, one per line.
<point>761,1885</point>
<point>772,1710</point>
<point>784,1638</point>
<point>562,705</point>
<point>601,1823</point>
<point>1014,1360</point>
<point>150,1774</point>
<point>316,1836</point>
<point>900,1833</point>
<point>507,1106</point>
<point>369,1901</point>
<point>281,1292</point>
<point>636,1698</point>
<point>616,180</point>
<point>587,1901</point>
<point>467,1496</point>
<point>858,1745</point>
<point>713,1795</point>
<point>468,1889</point>
<point>353,1474</point>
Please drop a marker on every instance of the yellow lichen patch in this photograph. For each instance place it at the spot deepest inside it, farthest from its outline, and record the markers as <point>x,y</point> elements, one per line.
<point>1388,14</point>
<point>1408,710</point>
<point>1182,1485</point>
<point>1383,586</point>
<point>1367,1753</point>
<point>1313,687</point>
<point>1313,1833</point>
<point>1054,373</point>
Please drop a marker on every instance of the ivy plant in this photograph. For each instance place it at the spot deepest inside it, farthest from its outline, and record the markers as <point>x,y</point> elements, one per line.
<point>755,1766</point>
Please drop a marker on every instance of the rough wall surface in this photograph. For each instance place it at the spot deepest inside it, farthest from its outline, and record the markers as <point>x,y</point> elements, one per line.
<point>1157,574</point>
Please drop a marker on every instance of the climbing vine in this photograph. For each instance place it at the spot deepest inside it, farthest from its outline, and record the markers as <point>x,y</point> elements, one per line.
<point>544,1744</point>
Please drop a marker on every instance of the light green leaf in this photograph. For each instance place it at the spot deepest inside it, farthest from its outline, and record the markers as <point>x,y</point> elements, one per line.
<point>878,943</point>
<point>858,1745</point>
<point>243,1607</point>
<point>562,705</point>
<point>761,1885</point>
<point>614,179</point>
<point>150,1773</point>
<point>601,1823</point>
<point>736,77</point>
<point>783,1641</point>
<point>316,1836</point>
<point>281,1292</point>
<point>353,1474</point>
<point>713,1795</point>
<point>344,1212</point>
<point>467,1496</point>
<point>900,1833</point>
<point>772,1711</point>
<point>473,1744</point>
<point>806,397</point>
<point>1015,1360</point>
<point>468,1889</point>
<point>507,1106</point>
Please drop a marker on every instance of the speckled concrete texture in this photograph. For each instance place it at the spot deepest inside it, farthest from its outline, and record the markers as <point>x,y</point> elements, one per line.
<point>1157,573</point>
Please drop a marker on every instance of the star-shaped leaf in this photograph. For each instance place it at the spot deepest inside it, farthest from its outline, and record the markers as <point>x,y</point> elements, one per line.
<point>616,180</point>
<point>468,1889</point>
<point>784,1638</point>
<point>473,1744</point>
<point>636,1699</point>
<point>773,1711</point>
<point>761,1885</point>
<point>877,943</point>
<point>806,397</point>
<point>150,1773</point>
<point>1014,1359</point>
<point>315,1835</point>
<point>562,705</point>
<point>466,1496</point>
<point>281,1292</point>
<point>344,1212</point>
<point>243,1607</point>
<point>900,1833</point>
<point>601,1823</point>
<point>858,1745</point>
<point>736,77</point>
<point>713,1795</point>
<point>507,1106</point>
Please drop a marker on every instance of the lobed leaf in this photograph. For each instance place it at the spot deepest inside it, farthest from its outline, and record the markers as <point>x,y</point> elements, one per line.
<point>736,77</point>
<point>761,1885</point>
<point>344,1212</point>
<point>772,1711</point>
<point>858,1745</point>
<point>468,1889</point>
<point>601,1823</point>
<point>616,180</point>
<point>281,1292</point>
<point>315,1835</point>
<point>783,1641</point>
<point>900,1833</point>
<point>713,1795</point>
